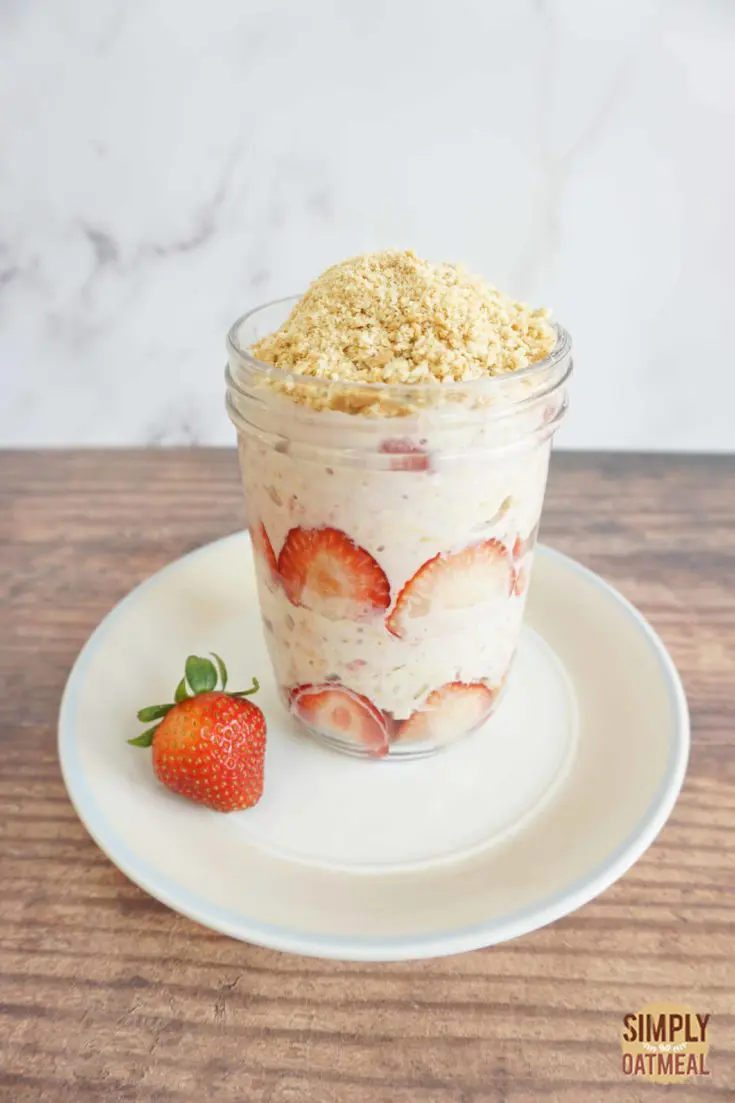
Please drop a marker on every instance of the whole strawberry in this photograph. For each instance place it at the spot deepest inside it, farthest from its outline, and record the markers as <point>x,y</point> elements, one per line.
<point>209,745</point>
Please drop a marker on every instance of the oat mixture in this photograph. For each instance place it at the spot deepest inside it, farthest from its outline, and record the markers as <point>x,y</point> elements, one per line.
<point>391,317</point>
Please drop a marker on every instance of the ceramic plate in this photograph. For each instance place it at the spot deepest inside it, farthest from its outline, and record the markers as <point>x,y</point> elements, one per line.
<point>512,828</point>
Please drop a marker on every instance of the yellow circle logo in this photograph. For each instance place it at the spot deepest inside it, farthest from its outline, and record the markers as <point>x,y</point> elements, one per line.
<point>666,1043</point>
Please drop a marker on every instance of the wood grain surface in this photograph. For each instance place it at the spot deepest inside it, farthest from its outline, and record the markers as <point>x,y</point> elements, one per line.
<point>107,995</point>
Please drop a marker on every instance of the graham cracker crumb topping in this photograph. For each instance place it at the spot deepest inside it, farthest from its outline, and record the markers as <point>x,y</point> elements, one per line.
<point>391,317</point>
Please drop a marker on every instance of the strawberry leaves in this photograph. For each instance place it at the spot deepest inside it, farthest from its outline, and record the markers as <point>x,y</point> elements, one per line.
<point>154,712</point>
<point>221,669</point>
<point>201,675</point>
<point>247,692</point>
<point>145,739</point>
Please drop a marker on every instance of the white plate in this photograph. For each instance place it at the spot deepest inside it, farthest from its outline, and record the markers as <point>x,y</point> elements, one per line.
<point>512,828</point>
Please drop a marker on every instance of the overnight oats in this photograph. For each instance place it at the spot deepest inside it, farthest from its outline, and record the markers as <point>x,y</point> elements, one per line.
<point>394,428</point>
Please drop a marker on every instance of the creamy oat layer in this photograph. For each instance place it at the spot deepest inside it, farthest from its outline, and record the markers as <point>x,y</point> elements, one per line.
<point>393,318</point>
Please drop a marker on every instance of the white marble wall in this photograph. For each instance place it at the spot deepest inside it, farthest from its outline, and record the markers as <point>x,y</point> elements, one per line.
<point>166,164</point>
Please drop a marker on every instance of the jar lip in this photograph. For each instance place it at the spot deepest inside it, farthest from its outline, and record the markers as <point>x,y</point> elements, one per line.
<point>560,352</point>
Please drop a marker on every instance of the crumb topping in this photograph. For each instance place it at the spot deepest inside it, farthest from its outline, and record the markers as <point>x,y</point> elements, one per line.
<point>391,317</point>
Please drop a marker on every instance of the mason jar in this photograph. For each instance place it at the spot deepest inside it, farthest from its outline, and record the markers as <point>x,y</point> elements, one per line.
<point>393,529</point>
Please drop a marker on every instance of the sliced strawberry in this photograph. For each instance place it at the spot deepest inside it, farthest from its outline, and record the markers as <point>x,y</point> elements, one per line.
<point>520,581</point>
<point>326,571</point>
<point>453,580</point>
<point>264,548</point>
<point>342,714</point>
<point>410,456</point>
<point>392,724</point>
<point>523,546</point>
<point>448,712</point>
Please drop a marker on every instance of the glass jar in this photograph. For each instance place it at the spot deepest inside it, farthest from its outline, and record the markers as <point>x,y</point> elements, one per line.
<point>393,528</point>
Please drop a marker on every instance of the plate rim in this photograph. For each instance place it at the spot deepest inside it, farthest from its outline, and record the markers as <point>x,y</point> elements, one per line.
<point>375,947</point>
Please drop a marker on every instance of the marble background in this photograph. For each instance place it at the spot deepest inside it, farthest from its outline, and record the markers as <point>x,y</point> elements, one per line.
<point>164,165</point>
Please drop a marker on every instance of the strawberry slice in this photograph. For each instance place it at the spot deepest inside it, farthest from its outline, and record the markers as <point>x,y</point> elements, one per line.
<point>342,714</point>
<point>453,580</point>
<point>409,455</point>
<point>326,571</point>
<point>523,546</point>
<point>392,724</point>
<point>264,548</point>
<point>520,581</point>
<point>450,711</point>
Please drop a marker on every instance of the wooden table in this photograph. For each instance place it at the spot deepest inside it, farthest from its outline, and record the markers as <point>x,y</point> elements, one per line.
<point>108,995</point>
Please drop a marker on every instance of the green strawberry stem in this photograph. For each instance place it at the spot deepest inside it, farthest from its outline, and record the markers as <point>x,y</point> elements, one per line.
<point>145,738</point>
<point>154,712</point>
<point>221,669</point>
<point>246,692</point>
<point>200,676</point>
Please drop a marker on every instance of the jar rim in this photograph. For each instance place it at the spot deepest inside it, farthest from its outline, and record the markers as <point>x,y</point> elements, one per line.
<point>560,352</point>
